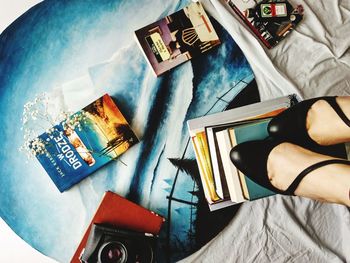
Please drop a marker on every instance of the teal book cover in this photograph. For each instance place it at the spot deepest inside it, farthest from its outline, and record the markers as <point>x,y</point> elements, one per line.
<point>249,132</point>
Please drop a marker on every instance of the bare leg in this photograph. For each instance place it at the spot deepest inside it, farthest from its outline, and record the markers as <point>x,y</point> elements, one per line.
<point>330,183</point>
<point>325,126</point>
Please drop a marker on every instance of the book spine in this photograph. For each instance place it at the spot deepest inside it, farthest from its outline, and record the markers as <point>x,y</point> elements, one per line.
<point>240,174</point>
<point>230,170</point>
<point>247,22</point>
<point>207,188</point>
<point>202,139</point>
<point>214,163</point>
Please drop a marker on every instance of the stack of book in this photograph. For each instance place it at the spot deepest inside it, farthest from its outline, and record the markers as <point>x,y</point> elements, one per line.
<point>213,137</point>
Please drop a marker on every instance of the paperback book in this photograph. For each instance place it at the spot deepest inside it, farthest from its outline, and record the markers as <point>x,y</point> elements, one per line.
<point>177,38</point>
<point>248,132</point>
<point>269,20</point>
<point>117,211</point>
<point>224,185</point>
<point>87,140</point>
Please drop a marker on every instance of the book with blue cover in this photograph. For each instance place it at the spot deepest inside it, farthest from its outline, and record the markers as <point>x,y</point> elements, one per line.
<point>84,142</point>
<point>250,132</point>
<point>229,184</point>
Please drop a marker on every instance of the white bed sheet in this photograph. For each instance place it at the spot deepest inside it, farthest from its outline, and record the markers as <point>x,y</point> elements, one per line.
<point>312,61</point>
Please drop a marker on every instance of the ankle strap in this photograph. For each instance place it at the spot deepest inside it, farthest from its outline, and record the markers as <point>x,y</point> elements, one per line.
<point>291,189</point>
<point>332,101</point>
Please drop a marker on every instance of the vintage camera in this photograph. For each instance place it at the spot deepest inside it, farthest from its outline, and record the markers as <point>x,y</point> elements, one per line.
<point>107,244</point>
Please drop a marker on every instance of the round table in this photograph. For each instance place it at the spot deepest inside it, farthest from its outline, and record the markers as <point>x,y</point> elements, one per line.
<point>76,51</point>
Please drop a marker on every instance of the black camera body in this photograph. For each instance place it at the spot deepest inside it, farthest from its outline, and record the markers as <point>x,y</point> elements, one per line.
<point>108,244</point>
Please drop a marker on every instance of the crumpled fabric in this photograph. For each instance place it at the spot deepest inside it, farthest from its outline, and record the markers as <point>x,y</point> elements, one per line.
<point>312,61</point>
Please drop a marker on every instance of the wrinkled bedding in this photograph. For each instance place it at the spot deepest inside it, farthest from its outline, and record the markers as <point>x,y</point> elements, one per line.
<point>312,61</point>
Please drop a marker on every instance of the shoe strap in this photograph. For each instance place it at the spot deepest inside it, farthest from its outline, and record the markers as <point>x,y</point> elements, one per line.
<point>332,101</point>
<point>291,189</point>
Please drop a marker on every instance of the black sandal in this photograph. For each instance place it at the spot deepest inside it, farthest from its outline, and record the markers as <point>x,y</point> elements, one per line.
<point>251,159</point>
<point>290,125</point>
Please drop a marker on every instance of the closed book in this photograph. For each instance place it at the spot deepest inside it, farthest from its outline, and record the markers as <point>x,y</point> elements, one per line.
<point>249,132</point>
<point>231,172</point>
<point>225,120</point>
<point>216,164</point>
<point>117,211</point>
<point>202,155</point>
<point>177,38</point>
<point>84,142</point>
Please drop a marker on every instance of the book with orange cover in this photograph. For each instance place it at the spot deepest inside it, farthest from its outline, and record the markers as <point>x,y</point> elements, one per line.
<point>122,213</point>
<point>84,142</point>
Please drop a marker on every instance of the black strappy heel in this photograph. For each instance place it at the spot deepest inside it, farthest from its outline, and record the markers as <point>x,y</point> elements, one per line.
<point>251,159</point>
<point>290,125</point>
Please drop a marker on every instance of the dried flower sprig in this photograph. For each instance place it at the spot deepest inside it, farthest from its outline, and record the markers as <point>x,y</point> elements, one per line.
<point>36,119</point>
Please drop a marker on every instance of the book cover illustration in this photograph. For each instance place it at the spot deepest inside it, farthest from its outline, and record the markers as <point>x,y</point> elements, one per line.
<point>177,38</point>
<point>84,142</point>
<point>269,20</point>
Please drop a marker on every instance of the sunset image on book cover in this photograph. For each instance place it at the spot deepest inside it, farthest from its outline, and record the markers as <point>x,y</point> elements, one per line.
<point>84,142</point>
<point>177,38</point>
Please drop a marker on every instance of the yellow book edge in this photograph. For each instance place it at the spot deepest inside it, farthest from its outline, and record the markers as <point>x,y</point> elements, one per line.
<point>208,173</point>
<point>210,195</point>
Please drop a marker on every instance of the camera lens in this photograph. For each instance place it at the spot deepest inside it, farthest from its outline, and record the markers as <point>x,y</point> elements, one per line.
<point>113,252</point>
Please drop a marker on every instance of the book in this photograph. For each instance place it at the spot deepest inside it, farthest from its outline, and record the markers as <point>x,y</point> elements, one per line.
<point>117,211</point>
<point>215,158</point>
<point>249,132</point>
<point>203,154</point>
<point>231,118</point>
<point>231,172</point>
<point>177,38</point>
<point>269,20</point>
<point>84,142</point>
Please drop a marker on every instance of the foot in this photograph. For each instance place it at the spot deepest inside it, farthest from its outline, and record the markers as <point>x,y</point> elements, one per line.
<point>330,183</point>
<point>323,124</point>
